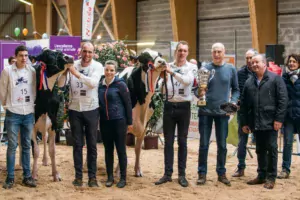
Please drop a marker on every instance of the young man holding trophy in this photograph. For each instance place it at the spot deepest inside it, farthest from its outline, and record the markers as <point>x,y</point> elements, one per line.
<point>178,82</point>
<point>218,85</point>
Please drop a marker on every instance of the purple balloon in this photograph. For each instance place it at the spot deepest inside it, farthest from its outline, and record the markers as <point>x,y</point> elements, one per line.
<point>37,50</point>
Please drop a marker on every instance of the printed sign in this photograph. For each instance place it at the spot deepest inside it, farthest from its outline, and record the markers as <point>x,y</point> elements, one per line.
<point>67,44</point>
<point>87,19</point>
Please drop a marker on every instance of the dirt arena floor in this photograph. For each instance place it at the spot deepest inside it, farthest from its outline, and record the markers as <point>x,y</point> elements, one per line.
<point>144,188</point>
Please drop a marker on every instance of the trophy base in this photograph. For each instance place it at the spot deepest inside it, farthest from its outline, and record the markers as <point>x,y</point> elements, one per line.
<point>201,103</point>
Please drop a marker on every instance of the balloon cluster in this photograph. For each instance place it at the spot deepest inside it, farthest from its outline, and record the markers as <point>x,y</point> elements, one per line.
<point>18,31</point>
<point>25,32</point>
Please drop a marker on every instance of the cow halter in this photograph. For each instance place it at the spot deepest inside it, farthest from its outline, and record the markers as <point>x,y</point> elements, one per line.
<point>149,75</point>
<point>43,76</point>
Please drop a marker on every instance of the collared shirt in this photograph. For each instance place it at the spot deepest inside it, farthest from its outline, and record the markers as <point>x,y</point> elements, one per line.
<point>84,91</point>
<point>18,89</point>
<point>183,79</point>
<point>104,82</point>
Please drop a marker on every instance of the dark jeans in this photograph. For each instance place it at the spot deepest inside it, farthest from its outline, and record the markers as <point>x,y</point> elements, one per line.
<point>114,133</point>
<point>290,127</point>
<point>176,114</point>
<point>16,123</point>
<point>267,154</point>
<point>242,148</point>
<point>87,122</point>
<point>205,126</point>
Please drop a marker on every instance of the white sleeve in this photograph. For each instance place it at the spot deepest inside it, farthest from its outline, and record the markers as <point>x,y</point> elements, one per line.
<point>4,85</point>
<point>93,80</point>
<point>185,79</point>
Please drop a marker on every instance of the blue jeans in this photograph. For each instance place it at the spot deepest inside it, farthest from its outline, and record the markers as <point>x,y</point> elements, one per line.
<point>16,123</point>
<point>290,127</point>
<point>205,126</point>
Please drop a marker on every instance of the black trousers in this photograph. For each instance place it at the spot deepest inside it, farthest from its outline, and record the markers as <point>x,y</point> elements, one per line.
<point>114,133</point>
<point>176,114</point>
<point>267,154</point>
<point>84,122</point>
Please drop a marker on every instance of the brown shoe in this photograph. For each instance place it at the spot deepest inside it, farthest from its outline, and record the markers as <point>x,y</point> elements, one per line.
<point>239,173</point>
<point>256,181</point>
<point>223,179</point>
<point>283,175</point>
<point>269,184</point>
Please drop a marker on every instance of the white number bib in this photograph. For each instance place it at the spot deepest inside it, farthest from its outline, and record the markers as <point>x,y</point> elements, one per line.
<point>79,89</point>
<point>22,92</point>
<point>179,88</point>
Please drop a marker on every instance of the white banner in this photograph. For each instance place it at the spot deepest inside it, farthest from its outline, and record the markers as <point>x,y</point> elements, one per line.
<point>87,19</point>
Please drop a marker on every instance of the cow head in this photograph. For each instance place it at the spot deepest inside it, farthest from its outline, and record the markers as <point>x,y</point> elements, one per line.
<point>55,61</point>
<point>150,59</point>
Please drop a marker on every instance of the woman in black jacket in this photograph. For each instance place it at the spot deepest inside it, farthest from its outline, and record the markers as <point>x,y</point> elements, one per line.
<point>115,119</point>
<point>292,119</point>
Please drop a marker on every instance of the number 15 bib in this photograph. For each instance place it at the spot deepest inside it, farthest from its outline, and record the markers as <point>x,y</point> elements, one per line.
<point>22,91</point>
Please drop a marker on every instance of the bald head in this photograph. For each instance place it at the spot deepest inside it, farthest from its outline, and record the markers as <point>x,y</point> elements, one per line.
<point>87,53</point>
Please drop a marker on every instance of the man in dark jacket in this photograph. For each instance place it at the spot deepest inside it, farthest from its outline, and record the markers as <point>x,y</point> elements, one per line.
<point>263,107</point>
<point>243,74</point>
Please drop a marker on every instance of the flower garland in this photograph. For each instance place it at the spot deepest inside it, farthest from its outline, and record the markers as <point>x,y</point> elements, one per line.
<point>116,51</point>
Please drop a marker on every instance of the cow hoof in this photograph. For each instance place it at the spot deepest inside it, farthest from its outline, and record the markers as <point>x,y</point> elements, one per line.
<point>35,177</point>
<point>57,178</point>
<point>138,174</point>
<point>45,163</point>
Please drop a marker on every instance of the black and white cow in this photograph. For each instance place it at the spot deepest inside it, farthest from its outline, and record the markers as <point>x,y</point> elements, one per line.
<point>51,66</point>
<point>141,82</point>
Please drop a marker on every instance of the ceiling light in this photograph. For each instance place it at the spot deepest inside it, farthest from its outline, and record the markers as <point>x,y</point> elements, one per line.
<point>26,2</point>
<point>145,43</point>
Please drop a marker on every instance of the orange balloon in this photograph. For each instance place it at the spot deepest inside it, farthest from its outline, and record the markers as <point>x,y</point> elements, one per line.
<point>25,31</point>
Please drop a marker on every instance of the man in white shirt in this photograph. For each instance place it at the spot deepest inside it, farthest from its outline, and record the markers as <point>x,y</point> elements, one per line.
<point>17,94</point>
<point>85,75</point>
<point>177,111</point>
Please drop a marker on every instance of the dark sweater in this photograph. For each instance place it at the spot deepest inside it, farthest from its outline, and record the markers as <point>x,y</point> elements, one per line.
<point>114,101</point>
<point>293,109</point>
<point>222,83</point>
<point>243,74</point>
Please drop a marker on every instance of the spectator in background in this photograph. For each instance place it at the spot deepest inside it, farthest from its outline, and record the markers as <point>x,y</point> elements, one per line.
<point>292,119</point>
<point>11,60</point>
<point>243,74</point>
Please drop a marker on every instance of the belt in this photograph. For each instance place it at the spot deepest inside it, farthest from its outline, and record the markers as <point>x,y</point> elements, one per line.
<point>178,104</point>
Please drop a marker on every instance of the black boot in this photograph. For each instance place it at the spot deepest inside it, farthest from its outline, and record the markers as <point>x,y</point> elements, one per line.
<point>164,179</point>
<point>110,181</point>
<point>121,183</point>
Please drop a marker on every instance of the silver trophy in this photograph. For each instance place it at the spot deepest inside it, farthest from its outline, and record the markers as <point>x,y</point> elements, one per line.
<point>203,79</point>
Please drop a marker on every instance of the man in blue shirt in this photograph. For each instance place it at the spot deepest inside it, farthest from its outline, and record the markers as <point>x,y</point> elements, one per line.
<point>222,87</point>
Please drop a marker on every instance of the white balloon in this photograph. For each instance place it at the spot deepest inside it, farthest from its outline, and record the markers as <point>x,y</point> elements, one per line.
<point>45,36</point>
